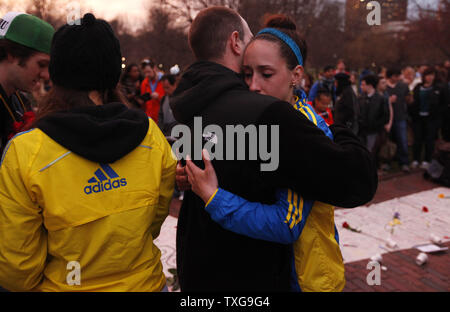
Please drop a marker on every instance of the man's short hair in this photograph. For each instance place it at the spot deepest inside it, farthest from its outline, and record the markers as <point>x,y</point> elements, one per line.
<point>429,71</point>
<point>170,78</point>
<point>322,92</point>
<point>210,31</point>
<point>327,68</point>
<point>392,72</point>
<point>147,62</point>
<point>371,80</point>
<point>19,51</point>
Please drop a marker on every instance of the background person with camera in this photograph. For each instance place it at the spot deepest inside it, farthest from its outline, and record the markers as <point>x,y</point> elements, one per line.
<point>152,90</point>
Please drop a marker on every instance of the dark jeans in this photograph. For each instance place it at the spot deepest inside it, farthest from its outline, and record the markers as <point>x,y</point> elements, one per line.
<point>400,133</point>
<point>425,130</point>
<point>380,140</point>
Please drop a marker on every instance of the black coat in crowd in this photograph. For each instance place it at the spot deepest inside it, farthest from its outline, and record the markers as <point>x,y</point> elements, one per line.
<point>346,110</point>
<point>438,101</point>
<point>10,105</point>
<point>374,113</point>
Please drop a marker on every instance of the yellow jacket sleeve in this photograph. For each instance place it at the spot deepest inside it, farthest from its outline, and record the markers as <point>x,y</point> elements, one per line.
<point>23,239</point>
<point>166,187</point>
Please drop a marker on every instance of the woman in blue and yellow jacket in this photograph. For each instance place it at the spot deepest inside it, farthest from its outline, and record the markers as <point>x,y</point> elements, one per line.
<point>83,194</point>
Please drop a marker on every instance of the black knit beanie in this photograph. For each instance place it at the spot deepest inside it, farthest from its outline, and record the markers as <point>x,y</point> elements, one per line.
<point>85,57</point>
<point>343,81</point>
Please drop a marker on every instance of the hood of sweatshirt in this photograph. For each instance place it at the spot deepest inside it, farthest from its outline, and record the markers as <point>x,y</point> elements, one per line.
<point>202,83</point>
<point>102,134</point>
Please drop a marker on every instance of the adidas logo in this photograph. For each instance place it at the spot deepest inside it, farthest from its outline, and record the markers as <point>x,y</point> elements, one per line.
<point>105,180</point>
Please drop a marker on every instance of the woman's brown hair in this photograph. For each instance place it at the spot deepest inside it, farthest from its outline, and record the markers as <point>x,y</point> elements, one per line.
<point>63,99</point>
<point>285,24</point>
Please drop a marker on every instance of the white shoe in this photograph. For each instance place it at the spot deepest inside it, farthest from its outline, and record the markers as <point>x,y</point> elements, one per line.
<point>414,164</point>
<point>424,165</point>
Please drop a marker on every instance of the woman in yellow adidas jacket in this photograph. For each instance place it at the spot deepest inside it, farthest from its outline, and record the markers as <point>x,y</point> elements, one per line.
<point>84,193</point>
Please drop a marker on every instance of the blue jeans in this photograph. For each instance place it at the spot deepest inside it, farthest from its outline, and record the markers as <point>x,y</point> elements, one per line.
<point>400,132</point>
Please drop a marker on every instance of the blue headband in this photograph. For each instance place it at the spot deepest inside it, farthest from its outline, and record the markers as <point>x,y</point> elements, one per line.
<point>286,39</point>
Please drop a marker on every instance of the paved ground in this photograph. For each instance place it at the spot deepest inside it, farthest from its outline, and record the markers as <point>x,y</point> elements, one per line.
<point>402,273</point>
<point>401,184</point>
<point>380,233</point>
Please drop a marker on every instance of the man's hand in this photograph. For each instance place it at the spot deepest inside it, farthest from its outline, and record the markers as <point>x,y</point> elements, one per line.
<point>409,99</point>
<point>204,182</point>
<point>182,178</point>
<point>155,95</point>
<point>387,127</point>
<point>392,98</point>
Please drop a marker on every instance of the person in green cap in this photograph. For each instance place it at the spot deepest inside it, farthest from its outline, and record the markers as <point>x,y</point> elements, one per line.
<point>25,42</point>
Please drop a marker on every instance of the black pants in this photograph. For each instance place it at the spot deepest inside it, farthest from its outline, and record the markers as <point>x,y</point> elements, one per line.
<point>425,131</point>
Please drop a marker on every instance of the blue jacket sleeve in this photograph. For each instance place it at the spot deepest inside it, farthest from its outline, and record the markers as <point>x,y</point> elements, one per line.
<point>280,222</point>
<point>313,92</point>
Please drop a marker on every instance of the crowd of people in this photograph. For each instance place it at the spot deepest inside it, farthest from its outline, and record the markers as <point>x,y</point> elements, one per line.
<point>148,88</point>
<point>406,107</point>
<point>107,133</point>
<point>389,109</point>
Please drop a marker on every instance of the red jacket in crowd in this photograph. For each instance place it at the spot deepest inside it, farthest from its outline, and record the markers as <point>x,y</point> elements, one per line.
<point>152,106</point>
<point>327,116</point>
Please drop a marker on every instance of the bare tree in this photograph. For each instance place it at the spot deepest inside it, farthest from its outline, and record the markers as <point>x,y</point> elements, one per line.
<point>319,22</point>
<point>51,11</point>
<point>164,36</point>
<point>432,28</point>
<point>186,10</point>
<point>5,6</point>
<point>160,39</point>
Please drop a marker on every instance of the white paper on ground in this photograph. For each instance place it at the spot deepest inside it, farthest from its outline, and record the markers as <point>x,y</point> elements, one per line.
<point>428,248</point>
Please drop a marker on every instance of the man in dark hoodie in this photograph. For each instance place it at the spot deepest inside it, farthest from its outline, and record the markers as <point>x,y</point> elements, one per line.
<point>210,258</point>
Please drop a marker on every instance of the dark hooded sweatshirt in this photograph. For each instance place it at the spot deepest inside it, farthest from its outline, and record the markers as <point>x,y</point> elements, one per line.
<point>103,134</point>
<point>210,258</point>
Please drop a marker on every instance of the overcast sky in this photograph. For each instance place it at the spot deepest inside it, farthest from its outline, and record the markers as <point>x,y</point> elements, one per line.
<point>135,11</point>
<point>135,8</point>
